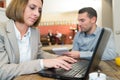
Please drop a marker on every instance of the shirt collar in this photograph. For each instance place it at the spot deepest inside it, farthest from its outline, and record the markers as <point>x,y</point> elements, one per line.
<point>97,31</point>
<point>94,33</point>
<point>28,33</point>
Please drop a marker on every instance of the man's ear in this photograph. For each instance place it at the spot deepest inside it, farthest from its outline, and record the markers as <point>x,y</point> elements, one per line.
<point>93,19</point>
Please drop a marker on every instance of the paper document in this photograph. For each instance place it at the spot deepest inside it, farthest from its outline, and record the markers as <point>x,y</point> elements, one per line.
<point>60,51</point>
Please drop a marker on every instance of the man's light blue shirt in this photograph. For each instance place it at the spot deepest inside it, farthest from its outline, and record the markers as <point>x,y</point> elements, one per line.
<point>85,43</point>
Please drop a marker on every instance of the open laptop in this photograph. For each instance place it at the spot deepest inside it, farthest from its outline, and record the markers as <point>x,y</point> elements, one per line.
<point>87,66</point>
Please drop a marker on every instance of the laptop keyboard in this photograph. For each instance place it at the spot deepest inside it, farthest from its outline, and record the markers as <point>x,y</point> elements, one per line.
<point>77,69</point>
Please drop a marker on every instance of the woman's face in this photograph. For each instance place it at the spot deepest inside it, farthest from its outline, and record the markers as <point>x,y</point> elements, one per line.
<point>32,12</point>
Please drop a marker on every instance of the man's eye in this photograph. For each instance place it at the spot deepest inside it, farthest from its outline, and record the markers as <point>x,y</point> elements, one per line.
<point>82,20</point>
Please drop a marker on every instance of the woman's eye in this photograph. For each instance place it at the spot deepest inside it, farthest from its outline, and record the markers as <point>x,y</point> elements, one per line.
<point>32,7</point>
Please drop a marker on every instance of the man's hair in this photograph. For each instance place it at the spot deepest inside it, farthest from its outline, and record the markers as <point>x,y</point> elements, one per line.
<point>91,12</point>
<point>16,9</point>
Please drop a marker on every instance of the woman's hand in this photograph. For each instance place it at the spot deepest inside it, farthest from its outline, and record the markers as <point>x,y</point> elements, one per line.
<point>59,62</point>
<point>67,59</point>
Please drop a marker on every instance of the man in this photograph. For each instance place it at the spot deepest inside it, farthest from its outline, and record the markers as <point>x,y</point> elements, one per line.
<point>85,40</point>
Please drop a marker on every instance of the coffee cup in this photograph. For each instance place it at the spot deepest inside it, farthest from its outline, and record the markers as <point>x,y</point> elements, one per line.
<point>97,76</point>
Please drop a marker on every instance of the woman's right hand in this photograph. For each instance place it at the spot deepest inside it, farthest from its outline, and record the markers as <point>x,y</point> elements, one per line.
<point>59,62</point>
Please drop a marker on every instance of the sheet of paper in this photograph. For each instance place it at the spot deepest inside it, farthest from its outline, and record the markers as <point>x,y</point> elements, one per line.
<point>60,51</point>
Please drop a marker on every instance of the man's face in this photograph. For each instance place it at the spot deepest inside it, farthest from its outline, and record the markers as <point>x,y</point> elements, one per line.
<point>85,23</point>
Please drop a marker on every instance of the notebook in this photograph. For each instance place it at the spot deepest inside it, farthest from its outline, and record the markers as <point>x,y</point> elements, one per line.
<point>87,66</point>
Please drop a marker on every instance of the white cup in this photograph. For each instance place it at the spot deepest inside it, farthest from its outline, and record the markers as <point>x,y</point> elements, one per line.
<point>94,76</point>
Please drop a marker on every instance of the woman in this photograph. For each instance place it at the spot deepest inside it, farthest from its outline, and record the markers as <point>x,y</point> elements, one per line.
<point>20,45</point>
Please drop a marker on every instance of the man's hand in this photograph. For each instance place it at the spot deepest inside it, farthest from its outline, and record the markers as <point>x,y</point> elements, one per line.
<point>73,54</point>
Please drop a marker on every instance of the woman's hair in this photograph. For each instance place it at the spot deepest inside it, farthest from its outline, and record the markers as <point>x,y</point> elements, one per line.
<point>15,11</point>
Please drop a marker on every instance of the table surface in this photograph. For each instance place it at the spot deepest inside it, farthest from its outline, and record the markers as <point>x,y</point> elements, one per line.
<point>69,46</point>
<point>107,67</point>
<point>110,69</point>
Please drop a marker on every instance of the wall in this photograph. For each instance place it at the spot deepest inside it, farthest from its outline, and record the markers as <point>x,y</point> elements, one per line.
<point>66,10</point>
<point>116,23</point>
<point>64,29</point>
<point>107,14</point>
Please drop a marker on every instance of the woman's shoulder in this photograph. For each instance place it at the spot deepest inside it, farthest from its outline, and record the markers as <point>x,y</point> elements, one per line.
<point>2,26</point>
<point>35,30</point>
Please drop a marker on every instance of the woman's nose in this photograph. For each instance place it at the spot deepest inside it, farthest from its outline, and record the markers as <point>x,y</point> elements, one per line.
<point>36,13</point>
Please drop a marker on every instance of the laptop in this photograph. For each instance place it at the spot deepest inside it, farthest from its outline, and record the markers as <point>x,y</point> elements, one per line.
<point>84,67</point>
